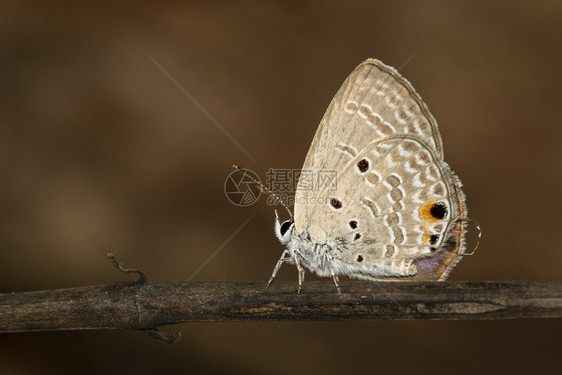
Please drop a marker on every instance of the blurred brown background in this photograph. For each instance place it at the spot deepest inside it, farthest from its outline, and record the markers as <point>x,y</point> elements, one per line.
<point>100,151</point>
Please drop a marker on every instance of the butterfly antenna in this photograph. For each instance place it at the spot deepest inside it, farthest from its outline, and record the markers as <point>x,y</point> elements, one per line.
<point>265,190</point>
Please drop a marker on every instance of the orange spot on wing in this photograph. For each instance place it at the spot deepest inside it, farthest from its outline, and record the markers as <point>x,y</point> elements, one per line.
<point>425,212</point>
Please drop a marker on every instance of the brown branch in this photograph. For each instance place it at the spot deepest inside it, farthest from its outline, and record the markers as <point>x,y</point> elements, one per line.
<point>144,306</point>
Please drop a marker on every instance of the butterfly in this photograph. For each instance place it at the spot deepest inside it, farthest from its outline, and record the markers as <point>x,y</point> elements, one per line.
<point>396,210</point>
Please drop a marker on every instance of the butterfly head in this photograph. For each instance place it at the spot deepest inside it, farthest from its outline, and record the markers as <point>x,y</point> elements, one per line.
<point>283,229</point>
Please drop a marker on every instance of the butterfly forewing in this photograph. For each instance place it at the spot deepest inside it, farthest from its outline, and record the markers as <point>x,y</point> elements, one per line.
<point>374,102</point>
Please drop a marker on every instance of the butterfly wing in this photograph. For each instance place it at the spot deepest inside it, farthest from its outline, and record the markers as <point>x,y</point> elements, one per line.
<point>393,213</point>
<point>382,145</point>
<point>373,103</point>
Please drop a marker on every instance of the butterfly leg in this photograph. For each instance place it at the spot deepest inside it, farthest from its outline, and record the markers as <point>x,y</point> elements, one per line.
<point>301,271</point>
<point>336,281</point>
<point>334,276</point>
<point>284,257</point>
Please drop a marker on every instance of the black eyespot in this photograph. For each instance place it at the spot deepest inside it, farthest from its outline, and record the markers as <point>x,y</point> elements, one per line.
<point>359,258</point>
<point>353,224</point>
<point>433,239</point>
<point>357,236</point>
<point>363,165</point>
<point>438,211</point>
<point>336,203</point>
<point>286,226</point>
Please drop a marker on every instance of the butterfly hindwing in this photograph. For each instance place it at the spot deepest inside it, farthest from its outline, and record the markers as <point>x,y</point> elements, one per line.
<point>392,208</point>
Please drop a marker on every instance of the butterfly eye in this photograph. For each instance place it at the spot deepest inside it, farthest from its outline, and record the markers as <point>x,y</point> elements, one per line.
<point>286,226</point>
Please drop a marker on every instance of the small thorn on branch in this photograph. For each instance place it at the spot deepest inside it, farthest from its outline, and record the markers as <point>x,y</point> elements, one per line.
<point>142,277</point>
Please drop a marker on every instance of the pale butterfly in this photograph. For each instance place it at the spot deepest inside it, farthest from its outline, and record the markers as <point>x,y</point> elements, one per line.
<point>396,211</point>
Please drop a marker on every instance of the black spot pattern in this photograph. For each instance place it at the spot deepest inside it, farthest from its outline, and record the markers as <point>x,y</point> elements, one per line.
<point>433,239</point>
<point>438,211</point>
<point>363,165</point>
<point>336,203</point>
